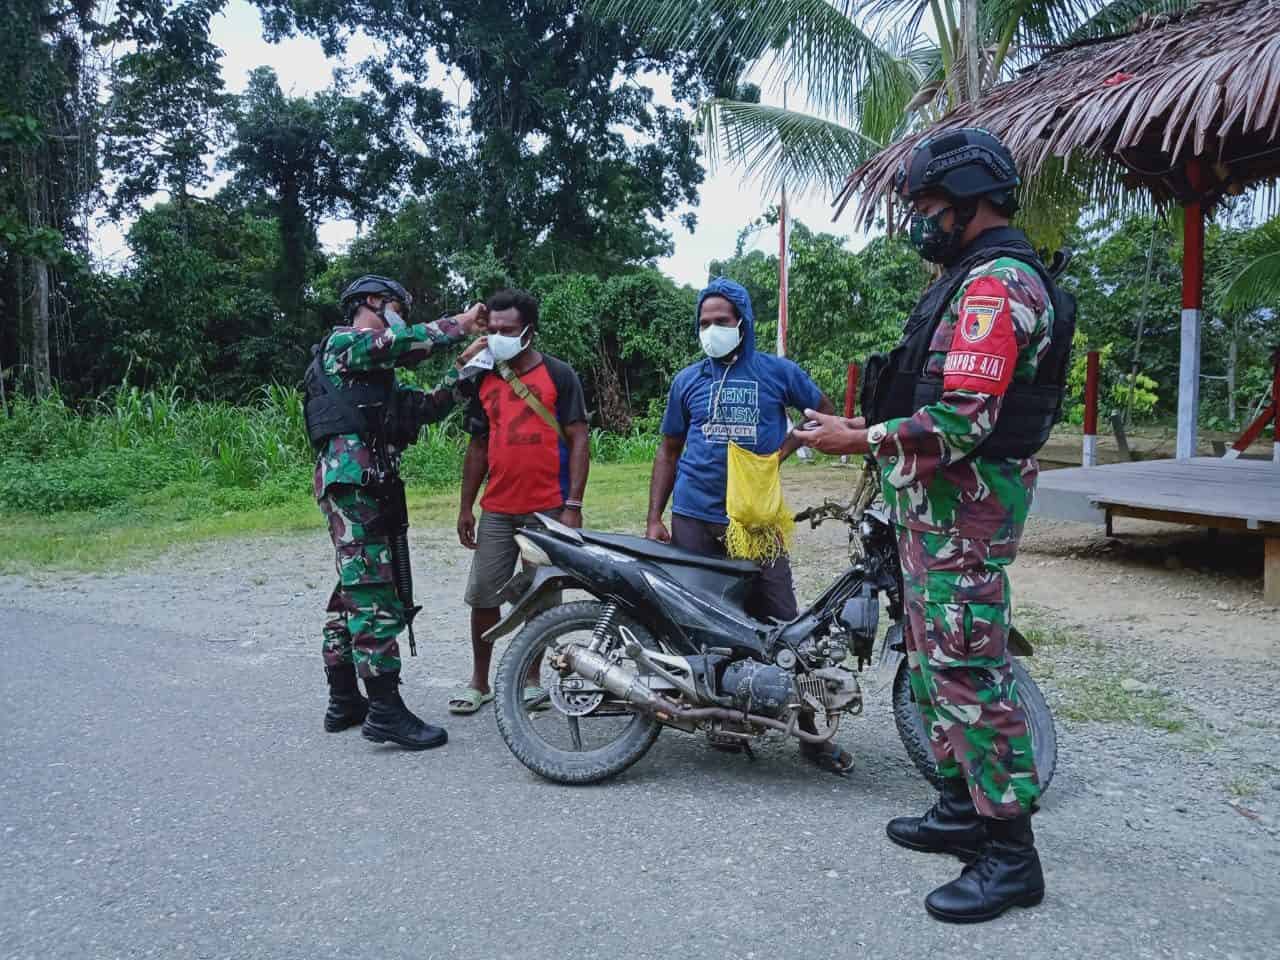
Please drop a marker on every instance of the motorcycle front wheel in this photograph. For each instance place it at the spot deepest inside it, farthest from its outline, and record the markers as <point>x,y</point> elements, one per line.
<point>587,744</point>
<point>1044,736</point>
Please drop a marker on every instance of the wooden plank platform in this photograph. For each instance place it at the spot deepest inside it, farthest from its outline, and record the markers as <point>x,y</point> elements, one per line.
<point>1202,491</point>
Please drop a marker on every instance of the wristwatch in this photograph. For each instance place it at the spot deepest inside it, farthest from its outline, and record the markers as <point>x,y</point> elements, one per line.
<point>876,433</point>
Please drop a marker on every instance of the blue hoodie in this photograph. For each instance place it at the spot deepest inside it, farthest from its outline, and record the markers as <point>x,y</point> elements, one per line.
<point>753,391</point>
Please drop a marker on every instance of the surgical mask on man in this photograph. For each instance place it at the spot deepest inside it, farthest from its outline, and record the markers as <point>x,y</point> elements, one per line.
<point>394,320</point>
<point>504,347</point>
<point>718,341</point>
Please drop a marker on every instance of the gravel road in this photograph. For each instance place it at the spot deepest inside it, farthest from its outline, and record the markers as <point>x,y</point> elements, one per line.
<point>166,790</point>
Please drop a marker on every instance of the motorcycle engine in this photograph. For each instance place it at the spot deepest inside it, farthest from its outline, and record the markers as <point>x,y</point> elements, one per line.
<point>758,687</point>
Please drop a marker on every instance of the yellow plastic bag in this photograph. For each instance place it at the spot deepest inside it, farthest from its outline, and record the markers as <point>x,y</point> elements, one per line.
<point>761,525</point>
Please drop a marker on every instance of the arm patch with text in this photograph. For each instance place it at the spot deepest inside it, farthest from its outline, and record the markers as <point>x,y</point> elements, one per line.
<point>984,347</point>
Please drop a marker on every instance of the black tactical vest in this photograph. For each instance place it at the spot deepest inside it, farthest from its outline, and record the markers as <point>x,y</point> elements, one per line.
<point>359,406</point>
<point>895,384</point>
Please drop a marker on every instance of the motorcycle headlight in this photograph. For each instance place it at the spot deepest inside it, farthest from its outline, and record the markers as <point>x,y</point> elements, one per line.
<point>531,553</point>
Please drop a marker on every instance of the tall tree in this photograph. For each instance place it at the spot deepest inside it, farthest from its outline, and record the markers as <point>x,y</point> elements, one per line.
<point>331,154</point>
<point>570,162</point>
<point>164,115</point>
<point>48,171</point>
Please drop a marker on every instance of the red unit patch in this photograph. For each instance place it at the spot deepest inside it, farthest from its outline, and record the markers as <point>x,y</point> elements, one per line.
<point>984,318</point>
<point>978,316</point>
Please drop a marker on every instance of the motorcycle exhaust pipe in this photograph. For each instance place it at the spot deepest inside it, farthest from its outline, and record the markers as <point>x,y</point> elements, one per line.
<point>616,678</point>
<point>627,685</point>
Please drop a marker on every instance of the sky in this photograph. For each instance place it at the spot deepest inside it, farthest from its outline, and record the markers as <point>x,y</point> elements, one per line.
<point>728,200</point>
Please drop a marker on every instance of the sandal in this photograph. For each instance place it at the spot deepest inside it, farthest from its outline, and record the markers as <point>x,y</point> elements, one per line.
<point>829,756</point>
<point>468,700</point>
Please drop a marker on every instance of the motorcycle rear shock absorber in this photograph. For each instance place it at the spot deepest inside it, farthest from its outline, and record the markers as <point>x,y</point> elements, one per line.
<point>600,635</point>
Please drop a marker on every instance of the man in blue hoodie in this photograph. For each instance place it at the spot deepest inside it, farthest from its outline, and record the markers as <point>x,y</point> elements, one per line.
<point>734,394</point>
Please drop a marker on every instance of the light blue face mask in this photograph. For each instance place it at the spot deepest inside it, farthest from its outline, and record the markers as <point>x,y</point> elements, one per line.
<point>394,320</point>
<point>718,341</point>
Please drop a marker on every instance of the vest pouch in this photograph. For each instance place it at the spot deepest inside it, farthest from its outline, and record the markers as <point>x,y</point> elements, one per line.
<point>1026,419</point>
<point>357,407</point>
<point>1027,415</point>
<point>873,372</point>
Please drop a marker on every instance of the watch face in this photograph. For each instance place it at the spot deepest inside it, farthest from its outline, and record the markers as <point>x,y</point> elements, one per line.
<point>876,434</point>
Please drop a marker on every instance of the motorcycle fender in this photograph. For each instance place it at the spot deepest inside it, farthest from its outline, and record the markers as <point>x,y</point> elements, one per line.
<point>892,652</point>
<point>529,593</point>
<point>1019,645</point>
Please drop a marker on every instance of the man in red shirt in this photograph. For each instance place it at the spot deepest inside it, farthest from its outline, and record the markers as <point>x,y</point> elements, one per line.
<point>531,465</point>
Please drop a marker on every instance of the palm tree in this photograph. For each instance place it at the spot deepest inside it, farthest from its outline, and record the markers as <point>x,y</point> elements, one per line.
<point>870,71</point>
<point>1257,284</point>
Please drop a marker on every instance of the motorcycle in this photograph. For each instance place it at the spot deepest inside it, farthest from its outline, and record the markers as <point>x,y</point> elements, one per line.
<point>585,688</point>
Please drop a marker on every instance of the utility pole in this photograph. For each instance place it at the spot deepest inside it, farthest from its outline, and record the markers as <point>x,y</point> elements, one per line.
<point>783,248</point>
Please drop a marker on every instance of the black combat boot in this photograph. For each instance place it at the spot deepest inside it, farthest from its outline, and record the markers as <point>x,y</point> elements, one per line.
<point>346,707</point>
<point>1006,875</point>
<point>952,825</point>
<point>390,719</point>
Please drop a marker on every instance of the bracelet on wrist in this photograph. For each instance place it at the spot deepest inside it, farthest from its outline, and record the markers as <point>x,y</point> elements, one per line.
<point>573,504</point>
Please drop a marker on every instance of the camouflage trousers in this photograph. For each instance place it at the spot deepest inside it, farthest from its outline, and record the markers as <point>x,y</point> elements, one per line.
<point>366,614</point>
<point>957,599</point>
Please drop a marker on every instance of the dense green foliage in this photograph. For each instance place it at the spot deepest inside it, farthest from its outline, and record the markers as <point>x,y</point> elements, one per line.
<point>1128,279</point>
<point>561,159</point>
<point>55,458</point>
<point>177,370</point>
<point>842,305</point>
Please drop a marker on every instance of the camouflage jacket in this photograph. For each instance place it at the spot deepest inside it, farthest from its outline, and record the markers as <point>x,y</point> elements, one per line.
<point>350,350</point>
<point>995,331</point>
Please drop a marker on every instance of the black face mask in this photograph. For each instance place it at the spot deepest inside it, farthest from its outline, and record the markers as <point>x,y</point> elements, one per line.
<point>935,244</point>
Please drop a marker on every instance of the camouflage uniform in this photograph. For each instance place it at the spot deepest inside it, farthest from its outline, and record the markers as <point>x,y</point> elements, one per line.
<point>959,522</point>
<point>366,614</point>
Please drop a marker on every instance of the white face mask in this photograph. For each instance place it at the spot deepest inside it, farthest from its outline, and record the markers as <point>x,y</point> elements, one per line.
<point>505,348</point>
<point>394,320</point>
<point>717,341</point>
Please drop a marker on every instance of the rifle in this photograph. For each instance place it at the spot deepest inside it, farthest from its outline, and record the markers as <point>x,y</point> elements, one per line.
<point>391,493</point>
<point>388,489</point>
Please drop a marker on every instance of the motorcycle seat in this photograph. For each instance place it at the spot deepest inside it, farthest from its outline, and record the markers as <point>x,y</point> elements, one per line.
<point>665,553</point>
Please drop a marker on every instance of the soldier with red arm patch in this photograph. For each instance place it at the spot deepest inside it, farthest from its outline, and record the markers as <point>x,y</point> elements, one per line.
<point>957,411</point>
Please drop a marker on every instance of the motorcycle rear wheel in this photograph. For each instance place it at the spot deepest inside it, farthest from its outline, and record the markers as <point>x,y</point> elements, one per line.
<point>1044,736</point>
<point>520,727</point>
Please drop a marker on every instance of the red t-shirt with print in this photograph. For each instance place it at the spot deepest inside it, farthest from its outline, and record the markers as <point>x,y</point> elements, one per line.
<point>528,463</point>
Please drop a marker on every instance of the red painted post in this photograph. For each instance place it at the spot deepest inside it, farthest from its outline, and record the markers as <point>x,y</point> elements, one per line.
<point>1089,447</point>
<point>1192,302</point>
<point>850,389</point>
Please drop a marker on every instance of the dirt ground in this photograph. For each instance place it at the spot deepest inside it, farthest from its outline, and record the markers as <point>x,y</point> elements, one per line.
<point>177,736</point>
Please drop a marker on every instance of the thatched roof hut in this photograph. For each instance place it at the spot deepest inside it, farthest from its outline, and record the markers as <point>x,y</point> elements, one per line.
<point>1187,106</point>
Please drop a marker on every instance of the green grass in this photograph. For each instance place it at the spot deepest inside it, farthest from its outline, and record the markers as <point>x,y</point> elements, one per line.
<point>1242,788</point>
<point>617,498</point>
<point>134,473</point>
<point>149,524</point>
<point>1103,700</point>
<point>1040,630</point>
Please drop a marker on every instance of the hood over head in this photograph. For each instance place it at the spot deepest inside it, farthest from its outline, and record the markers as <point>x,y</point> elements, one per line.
<point>736,294</point>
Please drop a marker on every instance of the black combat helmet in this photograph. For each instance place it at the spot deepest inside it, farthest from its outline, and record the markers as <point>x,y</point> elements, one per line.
<point>371,283</point>
<point>964,163</point>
